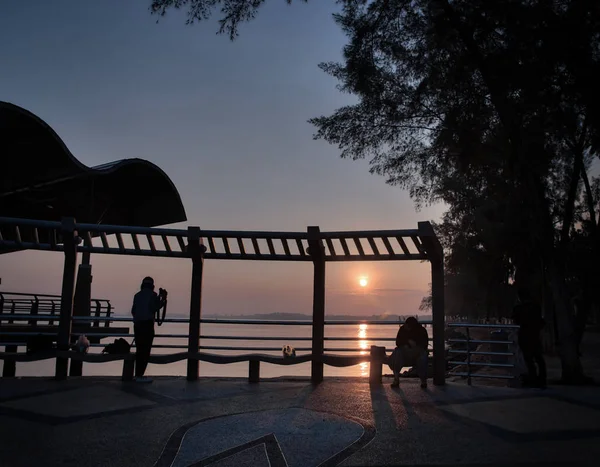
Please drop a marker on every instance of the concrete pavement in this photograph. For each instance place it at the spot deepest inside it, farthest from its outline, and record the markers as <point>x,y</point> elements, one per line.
<point>288,422</point>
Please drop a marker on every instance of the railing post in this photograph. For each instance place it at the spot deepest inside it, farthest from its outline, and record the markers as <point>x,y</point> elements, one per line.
<point>317,253</point>
<point>35,306</point>
<point>435,254</point>
<point>69,235</point>
<point>377,355</point>
<point>468,356</point>
<point>253,371</point>
<point>196,253</point>
<point>9,370</point>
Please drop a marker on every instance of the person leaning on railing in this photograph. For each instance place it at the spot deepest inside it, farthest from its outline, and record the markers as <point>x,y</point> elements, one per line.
<point>146,307</point>
<point>411,350</point>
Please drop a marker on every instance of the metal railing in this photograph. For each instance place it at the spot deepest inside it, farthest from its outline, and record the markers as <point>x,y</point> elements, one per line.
<point>502,359</point>
<point>283,340</point>
<point>36,308</point>
<point>499,359</point>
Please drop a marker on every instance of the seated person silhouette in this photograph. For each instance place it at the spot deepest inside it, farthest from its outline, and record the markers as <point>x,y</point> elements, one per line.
<point>411,350</point>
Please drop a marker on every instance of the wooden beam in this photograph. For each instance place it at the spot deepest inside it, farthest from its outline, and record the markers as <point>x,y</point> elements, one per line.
<point>435,254</point>
<point>317,254</point>
<point>196,251</point>
<point>67,295</point>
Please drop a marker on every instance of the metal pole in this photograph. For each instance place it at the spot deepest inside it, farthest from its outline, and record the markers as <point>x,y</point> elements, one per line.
<point>67,296</point>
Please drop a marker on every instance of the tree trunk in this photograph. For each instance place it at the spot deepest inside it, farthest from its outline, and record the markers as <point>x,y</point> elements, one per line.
<point>572,371</point>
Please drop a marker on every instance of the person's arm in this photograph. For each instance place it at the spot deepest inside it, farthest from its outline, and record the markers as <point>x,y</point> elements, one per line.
<point>516,315</point>
<point>423,340</point>
<point>157,305</point>
<point>401,338</point>
<point>133,307</point>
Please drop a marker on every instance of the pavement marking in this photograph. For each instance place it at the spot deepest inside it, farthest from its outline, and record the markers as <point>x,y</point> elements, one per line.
<point>305,438</point>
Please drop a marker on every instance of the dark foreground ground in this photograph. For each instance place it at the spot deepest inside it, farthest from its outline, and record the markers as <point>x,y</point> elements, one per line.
<point>225,422</point>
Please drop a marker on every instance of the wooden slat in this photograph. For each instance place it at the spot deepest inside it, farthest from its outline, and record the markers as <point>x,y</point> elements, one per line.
<point>104,240</point>
<point>211,245</point>
<point>120,241</point>
<point>359,247</point>
<point>165,240</point>
<point>36,236</point>
<point>403,246</point>
<point>181,243</point>
<point>388,246</point>
<point>151,242</point>
<point>330,247</point>
<point>52,238</point>
<point>345,246</point>
<point>136,243</point>
<point>373,245</point>
<point>241,245</point>
<point>256,247</point>
<point>17,234</point>
<point>300,247</point>
<point>418,244</point>
<point>226,245</point>
<point>87,239</point>
<point>270,245</point>
<point>286,247</point>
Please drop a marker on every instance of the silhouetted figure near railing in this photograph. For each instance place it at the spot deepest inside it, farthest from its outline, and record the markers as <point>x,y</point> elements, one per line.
<point>411,350</point>
<point>146,307</point>
<point>528,316</point>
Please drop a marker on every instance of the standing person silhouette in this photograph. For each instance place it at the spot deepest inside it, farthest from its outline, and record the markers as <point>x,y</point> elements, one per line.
<point>528,315</point>
<point>145,309</point>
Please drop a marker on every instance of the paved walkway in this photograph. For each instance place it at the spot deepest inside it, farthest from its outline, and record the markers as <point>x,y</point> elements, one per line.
<point>224,422</point>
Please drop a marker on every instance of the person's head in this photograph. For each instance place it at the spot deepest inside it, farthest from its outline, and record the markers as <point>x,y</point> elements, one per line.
<point>147,283</point>
<point>411,322</point>
<point>523,294</point>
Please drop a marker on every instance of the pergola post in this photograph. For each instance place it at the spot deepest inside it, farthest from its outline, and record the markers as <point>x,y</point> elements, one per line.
<point>81,305</point>
<point>196,251</point>
<point>69,235</point>
<point>317,253</point>
<point>435,254</point>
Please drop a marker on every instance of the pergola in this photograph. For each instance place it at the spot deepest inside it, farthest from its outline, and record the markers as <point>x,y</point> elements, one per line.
<point>44,188</point>
<point>197,245</point>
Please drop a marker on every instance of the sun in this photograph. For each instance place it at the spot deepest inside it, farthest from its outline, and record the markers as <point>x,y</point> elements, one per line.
<point>363,281</point>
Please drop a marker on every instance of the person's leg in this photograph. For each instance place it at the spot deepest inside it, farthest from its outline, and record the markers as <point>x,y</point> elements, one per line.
<point>148,333</point>
<point>140,345</point>
<point>528,356</point>
<point>398,359</point>
<point>541,363</point>
<point>421,364</point>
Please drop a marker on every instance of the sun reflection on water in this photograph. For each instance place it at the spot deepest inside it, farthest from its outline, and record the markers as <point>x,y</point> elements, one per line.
<point>363,344</point>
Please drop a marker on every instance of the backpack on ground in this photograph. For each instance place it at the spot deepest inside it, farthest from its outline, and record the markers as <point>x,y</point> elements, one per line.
<point>119,346</point>
<point>39,343</point>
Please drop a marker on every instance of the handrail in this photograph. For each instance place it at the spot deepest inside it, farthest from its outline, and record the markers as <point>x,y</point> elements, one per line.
<point>468,341</point>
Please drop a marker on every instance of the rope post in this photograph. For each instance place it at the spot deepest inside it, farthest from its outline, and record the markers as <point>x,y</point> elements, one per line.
<point>316,251</point>
<point>195,251</point>
<point>69,237</point>
<point>435,254</point>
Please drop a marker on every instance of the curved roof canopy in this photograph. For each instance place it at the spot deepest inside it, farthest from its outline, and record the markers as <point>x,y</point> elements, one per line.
<point>41,179</point>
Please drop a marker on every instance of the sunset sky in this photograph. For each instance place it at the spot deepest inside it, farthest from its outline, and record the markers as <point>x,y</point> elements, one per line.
<point>227,122</point>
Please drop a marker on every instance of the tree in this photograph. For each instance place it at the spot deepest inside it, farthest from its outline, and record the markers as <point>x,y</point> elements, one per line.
<point>489,106</point>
